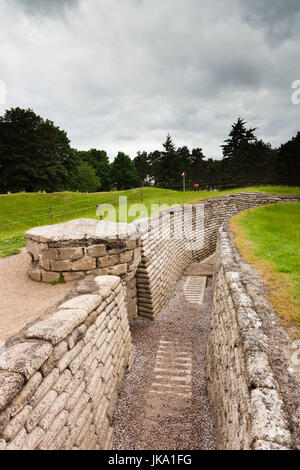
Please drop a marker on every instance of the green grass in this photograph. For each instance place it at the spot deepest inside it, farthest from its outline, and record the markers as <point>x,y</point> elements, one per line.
<point>61,280</point>
<point>269,238</point>
<point>270,189</point>
<point>22,211</point>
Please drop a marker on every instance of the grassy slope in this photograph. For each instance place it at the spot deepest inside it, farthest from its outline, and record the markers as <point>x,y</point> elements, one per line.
<point>269,238</point>
<point>19,212</point>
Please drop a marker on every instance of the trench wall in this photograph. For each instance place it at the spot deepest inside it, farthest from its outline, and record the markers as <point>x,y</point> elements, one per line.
<point>60,377</point>
<point>149,255</point>
<point>252,386</point>
<point>194,230</point>
<point>75,255</point>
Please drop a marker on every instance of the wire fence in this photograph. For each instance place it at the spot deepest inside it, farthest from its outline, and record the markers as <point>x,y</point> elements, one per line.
<point>41,216</point>
<point>225,184</point>
<point>51,214</point>
<point>91,198</point>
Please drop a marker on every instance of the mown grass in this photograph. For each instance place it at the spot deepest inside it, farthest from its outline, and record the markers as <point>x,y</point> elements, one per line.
<point>22,211</point>
<point>269,238</point>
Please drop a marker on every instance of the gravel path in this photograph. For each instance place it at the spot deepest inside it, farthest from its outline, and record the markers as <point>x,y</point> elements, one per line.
<point>163,403</point>
<point>21,298</point>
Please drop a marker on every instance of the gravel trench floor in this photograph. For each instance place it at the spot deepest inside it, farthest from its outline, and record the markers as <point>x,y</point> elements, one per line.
<point>163,403</point>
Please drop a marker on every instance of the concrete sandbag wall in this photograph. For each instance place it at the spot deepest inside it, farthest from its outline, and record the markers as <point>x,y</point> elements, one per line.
<point>179,236</point>
<point>253,386</point>
<point>72,250</point>
<point>59,379</point>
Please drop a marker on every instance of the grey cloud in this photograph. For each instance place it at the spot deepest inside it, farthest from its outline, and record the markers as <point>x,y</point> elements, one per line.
<point>46,7</point>
<point>121,74</point>
<point>279,18</point>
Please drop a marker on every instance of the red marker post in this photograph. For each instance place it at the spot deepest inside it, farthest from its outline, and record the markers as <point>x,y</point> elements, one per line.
<point>183,176</point>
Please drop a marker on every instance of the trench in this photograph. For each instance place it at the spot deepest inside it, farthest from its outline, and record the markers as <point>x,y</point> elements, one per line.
<point>163,403</point>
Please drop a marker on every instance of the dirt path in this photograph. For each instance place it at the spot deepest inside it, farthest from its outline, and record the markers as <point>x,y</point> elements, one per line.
<point>22,299</point>
<point>163,403</point>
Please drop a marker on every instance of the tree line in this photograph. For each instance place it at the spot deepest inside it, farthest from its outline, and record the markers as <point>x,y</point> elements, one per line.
<point>36,155</point>
<point>246,161</point>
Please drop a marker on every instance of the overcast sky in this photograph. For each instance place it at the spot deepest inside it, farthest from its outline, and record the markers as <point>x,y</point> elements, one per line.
<point>121,74</point>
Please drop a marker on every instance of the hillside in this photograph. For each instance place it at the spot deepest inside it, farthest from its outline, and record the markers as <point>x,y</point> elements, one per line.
<point>21,211</point>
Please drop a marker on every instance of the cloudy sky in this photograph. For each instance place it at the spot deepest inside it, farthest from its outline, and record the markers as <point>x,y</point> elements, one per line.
<point>121,74</point>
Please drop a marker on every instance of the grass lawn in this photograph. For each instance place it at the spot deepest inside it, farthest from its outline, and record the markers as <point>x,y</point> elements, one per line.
<point>269,238</point>
<point>22,211</point>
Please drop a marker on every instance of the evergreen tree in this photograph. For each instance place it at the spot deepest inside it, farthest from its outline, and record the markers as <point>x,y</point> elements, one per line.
<point>153,165</point>
<point>123,172</point>
<point>142,168</point>
<point>183,165</point>
<point>237,152</point>
<point>239,137</point>
<point>197,167</point>
<point>288,162</point>
<point>169,166</point>
<point>260,164</point>
<point>212,173</point>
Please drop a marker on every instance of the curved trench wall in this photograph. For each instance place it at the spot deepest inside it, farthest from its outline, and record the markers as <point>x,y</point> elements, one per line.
<point>83,247</point>
<point>60,377</point>
<point>149,255</point>
<point>253,392</point>
<point>193,230</point>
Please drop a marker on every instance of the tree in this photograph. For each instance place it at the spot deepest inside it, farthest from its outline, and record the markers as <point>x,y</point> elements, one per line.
<point>142,168</point>
<point>123,172</point>
<point>239,137</point>
<point>153,164</point>
<point>98,159</point>
<point>33,153</point>
<point>261,163</point>
<point>168,166</point>
<point>288,162</point>
<point>86,180</point>
<point>237,154</point>
<point>72,163</point>
<point>197,166</point>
